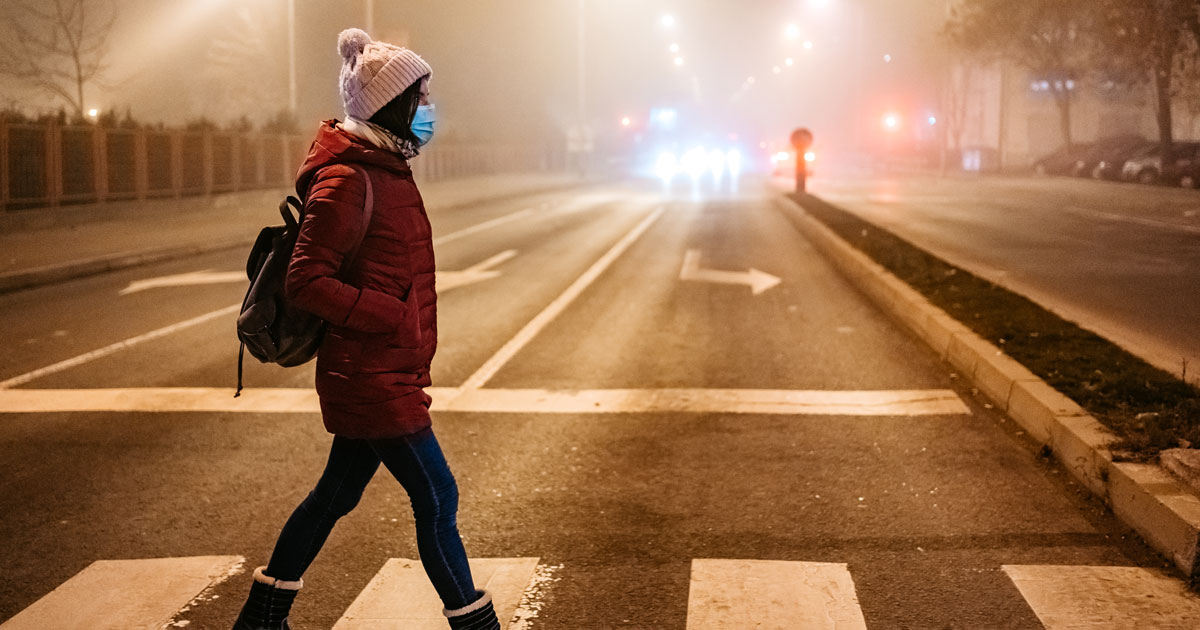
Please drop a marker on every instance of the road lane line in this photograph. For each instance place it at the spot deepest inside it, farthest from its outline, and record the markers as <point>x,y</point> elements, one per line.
<point>772,595</point>
<point>542,319</point>
<point>479,227</point>
<point>1112,216</point>
<point>107,350</point>
<point>903,403</point>
<point>118,346</point>
<point>125,594</point>
<point>400,595</point>
<point>1105,598</point>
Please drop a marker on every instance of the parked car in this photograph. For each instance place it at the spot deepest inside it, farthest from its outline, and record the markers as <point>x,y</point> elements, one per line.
<point>1110,164</point>
<point>1147,168</point>
<point>1184,170</point>
<point>1061,162</point>
<point>1087,161</point>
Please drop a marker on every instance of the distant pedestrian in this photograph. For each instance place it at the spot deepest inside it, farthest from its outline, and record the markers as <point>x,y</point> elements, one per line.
<point>373,364</point>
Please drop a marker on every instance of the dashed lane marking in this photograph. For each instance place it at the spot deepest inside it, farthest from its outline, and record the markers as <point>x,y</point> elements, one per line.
<point>1105,598</point>
<point>772,595</point>
<point>400,595</point>
<point>297,400</point>
<point>125,594</point>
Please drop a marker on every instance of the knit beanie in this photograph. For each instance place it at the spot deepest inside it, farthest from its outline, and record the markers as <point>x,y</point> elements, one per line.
<point>374,73</point>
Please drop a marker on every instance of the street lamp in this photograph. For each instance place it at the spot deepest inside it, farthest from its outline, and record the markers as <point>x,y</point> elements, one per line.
<point>668,20</point>
<point>291,20</point>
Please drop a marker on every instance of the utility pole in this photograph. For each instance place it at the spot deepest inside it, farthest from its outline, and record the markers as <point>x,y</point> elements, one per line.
<point>1002,123</point>
<point>581,90</point>
<point>291,20</point>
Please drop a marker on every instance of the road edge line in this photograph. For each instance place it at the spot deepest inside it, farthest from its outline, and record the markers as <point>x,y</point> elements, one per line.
<point>1164,511</point>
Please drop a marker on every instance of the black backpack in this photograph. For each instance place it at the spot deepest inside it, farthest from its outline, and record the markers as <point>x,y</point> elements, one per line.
<point>272,329</point>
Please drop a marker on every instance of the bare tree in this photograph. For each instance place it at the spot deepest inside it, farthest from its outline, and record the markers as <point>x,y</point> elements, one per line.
<point>57,46</point>
<point>1145,41</point>
<point>244,69</point>
<point>1049,38</point>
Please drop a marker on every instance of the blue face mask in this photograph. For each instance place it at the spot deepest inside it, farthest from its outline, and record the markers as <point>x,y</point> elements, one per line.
<point>422,124</point>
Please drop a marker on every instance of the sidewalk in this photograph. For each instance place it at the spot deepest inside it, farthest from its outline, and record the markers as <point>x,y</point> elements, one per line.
<point>42,246</point>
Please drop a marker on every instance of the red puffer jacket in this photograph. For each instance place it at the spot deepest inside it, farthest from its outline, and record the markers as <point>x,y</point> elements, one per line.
<point>382,311</point>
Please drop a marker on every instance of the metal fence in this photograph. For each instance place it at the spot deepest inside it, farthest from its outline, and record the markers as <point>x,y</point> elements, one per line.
<point>47,165</point>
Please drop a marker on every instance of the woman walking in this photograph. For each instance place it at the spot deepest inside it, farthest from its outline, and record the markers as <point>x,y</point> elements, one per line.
<point>374,285</point>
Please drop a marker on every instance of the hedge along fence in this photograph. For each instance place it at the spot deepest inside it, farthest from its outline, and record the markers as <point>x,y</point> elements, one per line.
<point>47,165</point>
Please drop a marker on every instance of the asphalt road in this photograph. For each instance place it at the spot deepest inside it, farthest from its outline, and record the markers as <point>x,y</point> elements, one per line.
<point>924,510</point>
<point>1122,260</point>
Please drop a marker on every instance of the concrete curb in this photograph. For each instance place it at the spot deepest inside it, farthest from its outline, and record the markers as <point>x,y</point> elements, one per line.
<point>1144,496</point>
<point>51,274</point>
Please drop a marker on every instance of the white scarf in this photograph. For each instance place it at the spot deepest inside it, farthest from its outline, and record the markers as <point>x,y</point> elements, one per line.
<point>380,137</point>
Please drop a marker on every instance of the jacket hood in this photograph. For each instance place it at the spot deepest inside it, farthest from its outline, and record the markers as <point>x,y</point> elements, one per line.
<point>333,145</point>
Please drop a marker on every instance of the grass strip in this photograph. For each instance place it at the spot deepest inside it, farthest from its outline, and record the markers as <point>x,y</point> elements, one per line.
<point>1148,408</point>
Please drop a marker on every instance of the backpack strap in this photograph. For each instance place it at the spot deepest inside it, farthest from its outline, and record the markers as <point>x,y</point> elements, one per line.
<point>368,209</point>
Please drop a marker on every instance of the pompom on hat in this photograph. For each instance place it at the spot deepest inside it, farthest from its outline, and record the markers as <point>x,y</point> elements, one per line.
<point>374,73</point>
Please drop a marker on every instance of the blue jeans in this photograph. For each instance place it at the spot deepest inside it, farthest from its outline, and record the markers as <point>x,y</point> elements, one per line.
<point>416,461</point>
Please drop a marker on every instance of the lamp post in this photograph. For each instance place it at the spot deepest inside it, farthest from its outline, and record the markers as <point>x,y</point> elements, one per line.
<point>291,20</point>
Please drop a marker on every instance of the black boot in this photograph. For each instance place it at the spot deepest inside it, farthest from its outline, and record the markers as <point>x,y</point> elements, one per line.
<point>269,603</point>
<point>476,616</point>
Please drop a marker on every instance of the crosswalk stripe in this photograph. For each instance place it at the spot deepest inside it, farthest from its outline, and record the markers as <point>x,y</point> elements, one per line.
<point>677,400</point>
<point>401,597</point>
<point>1105,598</point>
<point>125,594</point>
<point>772,595</point>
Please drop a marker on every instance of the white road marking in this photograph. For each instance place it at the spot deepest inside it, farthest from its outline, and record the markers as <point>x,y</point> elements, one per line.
<point>188,279</point>
<point>447,280</point>
<point>479,227</point>
<point>1105,598</point>
<point>400,595</point>
<point>155,334</point>
<point>1124,218</point>
<point>125,594</point>
<point>118,346</point>
<point>304,400</point>
<point>758,281</point>
<point>772,595</point>
<point>740,401</point>
<point>526,334</point>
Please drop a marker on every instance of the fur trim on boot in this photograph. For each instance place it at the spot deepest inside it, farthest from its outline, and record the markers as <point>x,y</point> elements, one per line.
<point>475,616</point>
<point>269,603</point>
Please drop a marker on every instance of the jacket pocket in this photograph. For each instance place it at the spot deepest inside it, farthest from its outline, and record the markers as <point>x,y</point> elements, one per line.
<point>408,332</point>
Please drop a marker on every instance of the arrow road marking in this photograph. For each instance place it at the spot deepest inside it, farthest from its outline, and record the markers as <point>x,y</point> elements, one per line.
<point>758,281</point>
<point>191,278</point>
<point>478,272</point>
